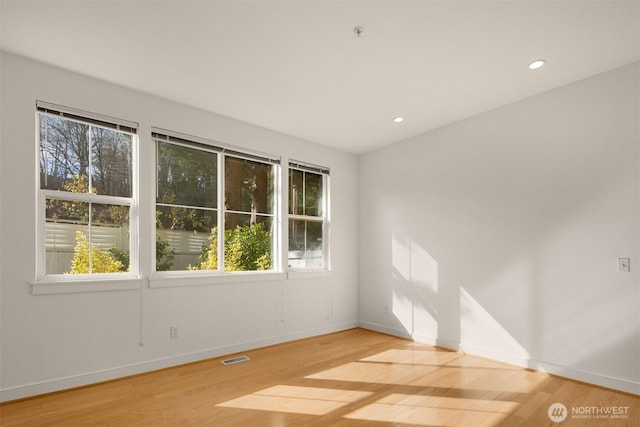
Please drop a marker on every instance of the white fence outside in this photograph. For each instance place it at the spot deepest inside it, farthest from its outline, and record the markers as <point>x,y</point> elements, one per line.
<point>61,242</point>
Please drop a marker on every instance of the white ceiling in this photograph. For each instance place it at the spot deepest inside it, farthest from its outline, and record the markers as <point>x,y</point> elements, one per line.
<point>297,67</point>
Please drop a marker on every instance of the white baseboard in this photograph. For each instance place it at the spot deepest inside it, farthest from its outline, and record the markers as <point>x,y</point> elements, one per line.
<point>385,329</point>
<point>57,384</point>
<point>555,369</point>
<point>538,365</point>
<point>426,339</point>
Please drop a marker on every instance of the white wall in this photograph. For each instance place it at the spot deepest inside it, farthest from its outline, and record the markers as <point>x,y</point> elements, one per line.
<point>499,234</point>
<point>49,342</point>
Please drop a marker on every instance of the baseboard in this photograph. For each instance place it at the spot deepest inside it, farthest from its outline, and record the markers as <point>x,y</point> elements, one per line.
<point>426,339</point>
<point>385,329</point>
<point>555,369</point>
<point>586,377</point>
<point>64,383</point>
<point>538,365</point>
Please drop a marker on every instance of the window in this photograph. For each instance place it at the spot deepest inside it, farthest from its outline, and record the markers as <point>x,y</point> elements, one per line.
<point>215,208</point>
<point>308,216</point>
<point>86,194</point>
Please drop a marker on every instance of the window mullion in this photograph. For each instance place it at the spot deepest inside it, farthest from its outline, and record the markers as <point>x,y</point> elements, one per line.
<point>306,243</point>
<point>171,205</point>
<point>307,218</point>
<point>304,194</point>
<point>221,210</point>
<point>90,159</point>
<point>90,238</point>
<point>86,197</point>
<point>250,213</point>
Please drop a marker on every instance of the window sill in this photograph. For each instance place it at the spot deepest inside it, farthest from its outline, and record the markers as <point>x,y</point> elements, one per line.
<point>73,287</point>
<point>308,274</point>
<point>52,287</point>
<point>176,281</point>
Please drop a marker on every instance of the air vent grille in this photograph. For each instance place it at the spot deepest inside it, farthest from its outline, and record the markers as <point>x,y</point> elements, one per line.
<point>235,360</point>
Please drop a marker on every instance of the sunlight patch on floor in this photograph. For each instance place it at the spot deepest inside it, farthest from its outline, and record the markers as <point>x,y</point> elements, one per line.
<point>468,375</point>
<point>297,400</point>
<point>414,356</point>
<point>434,410</point>
<point>489,379</point>
<point>382,373</point>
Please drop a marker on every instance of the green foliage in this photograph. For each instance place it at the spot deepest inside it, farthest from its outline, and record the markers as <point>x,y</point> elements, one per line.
<point>208,253</point>
<point>246,248</point>
<point>79,184</point>
<point>164,254</point>
<point>120,256</point>
<point>114,260</point>
<point>101,261</point>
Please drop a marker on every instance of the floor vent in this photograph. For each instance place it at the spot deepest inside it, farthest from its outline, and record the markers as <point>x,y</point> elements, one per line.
<point>235,360</point>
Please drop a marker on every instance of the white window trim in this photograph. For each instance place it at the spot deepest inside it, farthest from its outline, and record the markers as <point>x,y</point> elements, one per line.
<point>308,274</point>
<point>183,278</point>
<point>325,270</point>
<point>98,282</point>
<point>207,277</point>
<point>95,284</point>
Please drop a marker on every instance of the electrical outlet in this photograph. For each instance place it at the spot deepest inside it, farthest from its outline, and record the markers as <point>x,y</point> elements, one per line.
<point>173,332</point>
<point>624,265</point>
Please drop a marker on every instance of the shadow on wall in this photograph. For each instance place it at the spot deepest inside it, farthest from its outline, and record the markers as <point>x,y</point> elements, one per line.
<point>415,284</point>
<point>520,300</point>
<point>499,234</point>
<point>415,295</point>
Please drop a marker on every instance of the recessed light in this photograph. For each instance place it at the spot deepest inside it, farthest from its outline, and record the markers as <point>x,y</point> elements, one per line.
<point>398,119</point>
<point>536,64</point>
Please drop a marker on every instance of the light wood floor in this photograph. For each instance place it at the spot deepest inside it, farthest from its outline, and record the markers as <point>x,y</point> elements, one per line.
<point>350,378</point>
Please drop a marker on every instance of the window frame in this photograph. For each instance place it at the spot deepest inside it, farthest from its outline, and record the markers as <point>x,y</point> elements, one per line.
<point>324,218</point>
<point>86,282</point>
<point>162,278</point>
<point>45,283</point>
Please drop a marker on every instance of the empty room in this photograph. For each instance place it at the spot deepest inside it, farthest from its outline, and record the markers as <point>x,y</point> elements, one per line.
<point>313,213</point>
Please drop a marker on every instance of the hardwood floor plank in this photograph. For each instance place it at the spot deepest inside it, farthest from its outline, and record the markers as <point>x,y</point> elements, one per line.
<point>351,378</point>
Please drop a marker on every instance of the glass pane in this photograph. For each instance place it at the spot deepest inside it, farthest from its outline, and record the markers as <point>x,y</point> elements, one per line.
<point>247,242</point>
<point>74,245</point>
<point>110,162</point>
<point>296,243</point>
<point>312,194</point>
<point>64,220</point>
<point>296,192</point>
<point>67,212</point>
<point>187,176</point>
<point>185,219</point>
<point>64,154</point>
<point>109,240</point>
<point>305,244</point>
<point>314,256</point>
<point>186,239</point>
<point>248,186</point>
